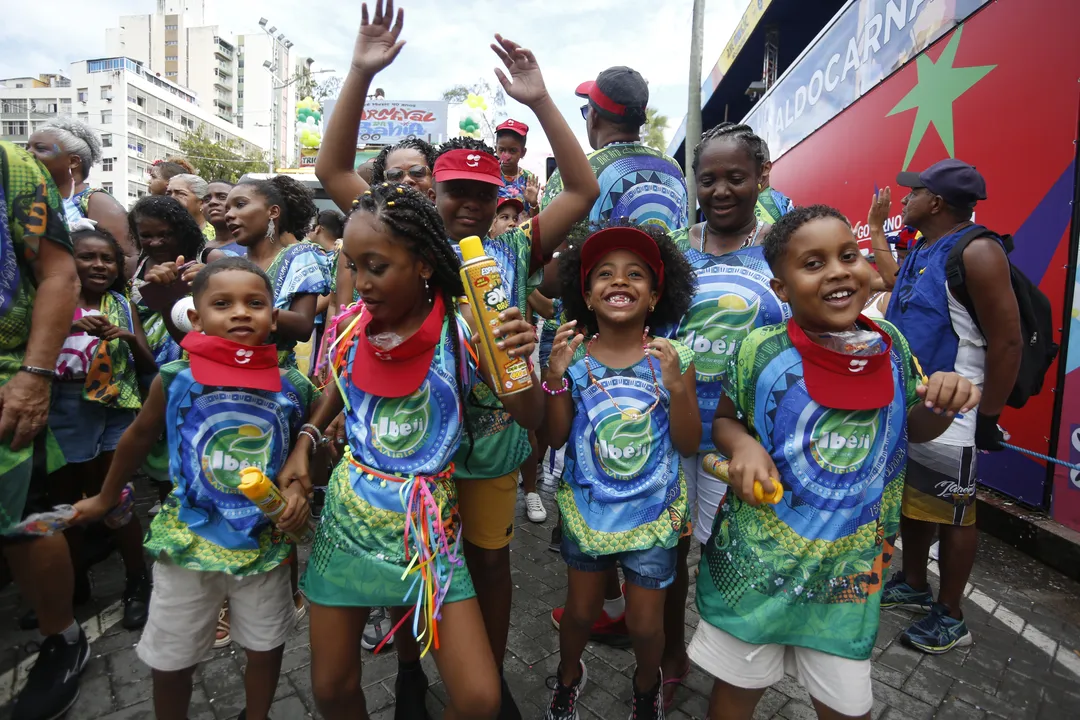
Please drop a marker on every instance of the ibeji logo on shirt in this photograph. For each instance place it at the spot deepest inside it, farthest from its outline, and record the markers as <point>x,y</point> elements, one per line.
<point>400,425</point>
<point>233,448</point>
<point>841,440</point>
<point>713,327</point>
<point>623,442</point>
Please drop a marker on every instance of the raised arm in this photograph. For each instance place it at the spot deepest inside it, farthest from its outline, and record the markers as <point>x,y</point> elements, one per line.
<point>376,47</point>
<point>887,266</point>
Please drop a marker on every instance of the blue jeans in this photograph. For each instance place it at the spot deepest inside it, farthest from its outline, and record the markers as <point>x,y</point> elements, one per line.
<point>652,569</point>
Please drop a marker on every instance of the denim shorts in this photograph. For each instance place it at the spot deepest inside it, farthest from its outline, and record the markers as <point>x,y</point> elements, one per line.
<point>652,569</point>
<point>84,429</point>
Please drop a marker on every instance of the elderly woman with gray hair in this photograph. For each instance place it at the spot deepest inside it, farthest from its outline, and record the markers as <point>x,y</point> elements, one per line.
<point>68,149</point>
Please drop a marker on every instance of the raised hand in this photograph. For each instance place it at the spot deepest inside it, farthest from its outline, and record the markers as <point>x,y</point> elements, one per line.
<point>377,41</point>
<point>661,349</point>
<point>879,210</point>
<point>525,84</point>
<point>532,190</point>
<point>567,341</point>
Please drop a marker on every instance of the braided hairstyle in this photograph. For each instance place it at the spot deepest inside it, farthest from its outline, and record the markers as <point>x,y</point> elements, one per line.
<point>776,242</point>
<point>743,134</point>
<point>464,143</point>
<point>120,283</point>
<point>186,232</point>
<point>378,165</point>
<point>297,202</point>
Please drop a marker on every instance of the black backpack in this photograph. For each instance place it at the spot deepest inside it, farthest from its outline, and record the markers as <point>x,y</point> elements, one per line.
<point>1036,316</point>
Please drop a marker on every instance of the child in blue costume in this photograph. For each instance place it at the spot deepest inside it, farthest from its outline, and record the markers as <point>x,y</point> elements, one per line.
<point>825,405</point>
<point>226,408</point>
<point>389,534</point>
<point>627,405</point>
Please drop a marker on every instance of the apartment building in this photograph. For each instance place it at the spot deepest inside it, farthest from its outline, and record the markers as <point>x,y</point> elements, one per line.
<point>141,117</point>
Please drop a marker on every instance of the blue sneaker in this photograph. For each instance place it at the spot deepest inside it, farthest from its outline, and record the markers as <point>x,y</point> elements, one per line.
<point>937,633</point>
<point>898,594</point>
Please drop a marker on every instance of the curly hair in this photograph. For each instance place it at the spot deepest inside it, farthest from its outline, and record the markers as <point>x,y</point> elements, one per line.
<point>78,138</point>
<point>162,207</point>
<point>297,202</point>
<point>378,165</point>
<point>229,262</point>
<point>170,167</point>
<point>776,242</point>
<point>742,134</point>
<point>464,143</point>
<point>680,282</point>
<point>120,283</point>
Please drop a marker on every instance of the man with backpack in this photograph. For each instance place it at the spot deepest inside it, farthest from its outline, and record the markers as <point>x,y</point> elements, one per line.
<point>957,273</point>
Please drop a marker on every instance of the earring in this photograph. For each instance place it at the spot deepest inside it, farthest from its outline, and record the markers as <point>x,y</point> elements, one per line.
<point>427,288</point>
<point>270,230</point>
<point>590,307</point>
<point>652,307</point>
<point>759,187</point>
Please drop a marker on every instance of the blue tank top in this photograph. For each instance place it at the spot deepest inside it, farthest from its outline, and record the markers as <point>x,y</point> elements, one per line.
<point>919,307</point>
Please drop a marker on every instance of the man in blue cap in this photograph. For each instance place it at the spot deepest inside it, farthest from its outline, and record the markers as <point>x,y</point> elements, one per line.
<point>939,490</point>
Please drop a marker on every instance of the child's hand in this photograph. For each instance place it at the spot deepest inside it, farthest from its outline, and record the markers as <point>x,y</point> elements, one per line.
<point>526,84</point>
<point>515,335</point>
<point>112,332</point>
<point>335,431</point>
<point>751,462</point>
<point>879,210</point>
<point>297,470</point>
<point>296,509</point>
<point>187,274</point>
<point>92,509</point>
<point>377,41</point>
<point>90,324</point>
<point>947,393</point>
<point>660,348</point>
<point>532,190</point>
<point>567,341</point>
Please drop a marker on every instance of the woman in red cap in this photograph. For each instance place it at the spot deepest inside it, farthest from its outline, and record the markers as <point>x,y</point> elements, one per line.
<point>627,405</point>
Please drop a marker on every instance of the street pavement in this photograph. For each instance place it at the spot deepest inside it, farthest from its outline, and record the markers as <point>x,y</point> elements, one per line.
<point>1025,662</point>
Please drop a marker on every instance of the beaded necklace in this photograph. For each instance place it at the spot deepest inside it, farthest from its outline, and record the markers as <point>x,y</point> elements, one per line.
<point>627,413</point>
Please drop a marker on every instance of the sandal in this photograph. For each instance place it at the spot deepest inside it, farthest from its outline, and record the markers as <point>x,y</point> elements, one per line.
<point>676,681</point>
<point>222,638</point>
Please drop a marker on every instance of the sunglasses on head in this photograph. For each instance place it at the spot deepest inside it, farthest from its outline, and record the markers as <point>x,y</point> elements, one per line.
<point>416,172</point>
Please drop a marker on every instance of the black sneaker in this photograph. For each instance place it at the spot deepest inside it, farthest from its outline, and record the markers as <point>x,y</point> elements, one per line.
<point>136,601</point>
<point>649,705</point>
<point>53,684</point>
<point>508,709</point>
<point>564,699</point>
<point>410,692</point>
<point>556,537</point>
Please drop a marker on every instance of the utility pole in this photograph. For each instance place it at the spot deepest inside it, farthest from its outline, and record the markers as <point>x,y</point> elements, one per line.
<point>693,111</point>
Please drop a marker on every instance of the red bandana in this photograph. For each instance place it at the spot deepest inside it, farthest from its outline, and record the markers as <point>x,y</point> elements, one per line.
<point>220,362</point>
<point>845,382</point>
<point>400,371</point>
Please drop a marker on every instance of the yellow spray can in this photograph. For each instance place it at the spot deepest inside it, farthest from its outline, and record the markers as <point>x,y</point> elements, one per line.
<point>260,490</point>
<point>489,296</point>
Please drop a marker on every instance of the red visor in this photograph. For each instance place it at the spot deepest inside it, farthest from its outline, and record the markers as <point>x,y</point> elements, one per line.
<point>219,362</point>
<point>845,382</point>
<point>514,126</point>
<point>400,371</point>
<point>621,238</point>
<point>512,201</point>
<point>589,89</point>
<point>468,165</point>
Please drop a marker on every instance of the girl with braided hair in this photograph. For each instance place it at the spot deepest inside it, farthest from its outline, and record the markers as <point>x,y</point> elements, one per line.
<point>402,363</point>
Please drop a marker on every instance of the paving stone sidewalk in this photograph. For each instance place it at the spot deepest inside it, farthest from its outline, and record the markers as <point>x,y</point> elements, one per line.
<point>1025,662</point>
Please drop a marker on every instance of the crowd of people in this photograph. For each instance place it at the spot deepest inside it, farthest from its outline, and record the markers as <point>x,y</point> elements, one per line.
<point>750,381</point>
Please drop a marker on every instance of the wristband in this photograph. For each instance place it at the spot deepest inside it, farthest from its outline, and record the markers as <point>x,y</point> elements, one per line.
<point>549,391</point>
<point>314,442</point>
<point>39,371</point>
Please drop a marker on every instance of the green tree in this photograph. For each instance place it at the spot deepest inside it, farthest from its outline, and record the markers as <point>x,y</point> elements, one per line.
<point>328,88</point>
<point>226,160</point>
<point>458,93</point>
<point>653,133</point>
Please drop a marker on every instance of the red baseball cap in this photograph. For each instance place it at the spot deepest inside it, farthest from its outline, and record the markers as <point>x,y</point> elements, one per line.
<point>468,165</point>
<point>636,241</point>
<point>620,92</point>
<point>400,371</point>
<point>845,382</point>
<point>511,201</point>
<point>217,361</point>
<point>514,126</point>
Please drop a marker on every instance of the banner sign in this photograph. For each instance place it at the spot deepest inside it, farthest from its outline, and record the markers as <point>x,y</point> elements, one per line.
<point>386,122</point>
<point>867,41</point>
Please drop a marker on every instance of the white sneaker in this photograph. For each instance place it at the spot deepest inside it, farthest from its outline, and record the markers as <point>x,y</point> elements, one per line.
<point>534,508</point>
<point>935,551</point>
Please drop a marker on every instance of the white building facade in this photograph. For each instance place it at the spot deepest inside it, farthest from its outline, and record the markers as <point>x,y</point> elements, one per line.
<point>140,115</point>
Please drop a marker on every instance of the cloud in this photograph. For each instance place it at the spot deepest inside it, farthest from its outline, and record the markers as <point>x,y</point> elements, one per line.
<point>447,43</point>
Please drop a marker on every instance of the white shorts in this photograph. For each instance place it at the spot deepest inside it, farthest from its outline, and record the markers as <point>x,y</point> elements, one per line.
<point>704,492</point>
<point>184,612</point>
<point>839,683</point>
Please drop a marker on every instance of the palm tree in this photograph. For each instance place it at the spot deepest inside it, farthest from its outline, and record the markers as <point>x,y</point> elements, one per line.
<point>653,132</point>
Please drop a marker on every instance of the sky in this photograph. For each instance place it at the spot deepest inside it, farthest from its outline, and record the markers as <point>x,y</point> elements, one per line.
<point>447,43</point>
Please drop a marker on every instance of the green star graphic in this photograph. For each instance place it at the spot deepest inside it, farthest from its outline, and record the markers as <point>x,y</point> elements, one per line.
<point>939,86</point>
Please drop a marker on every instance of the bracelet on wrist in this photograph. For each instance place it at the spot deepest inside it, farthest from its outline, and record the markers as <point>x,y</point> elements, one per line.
<point>316,432</point>
<point>549,391</point>
<point>310,436</point>
<point>39,371</point>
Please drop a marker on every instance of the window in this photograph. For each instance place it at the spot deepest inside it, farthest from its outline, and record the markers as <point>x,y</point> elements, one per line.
<point>106,117</point>
<point>106,140</point>
<point>170,74</point>
<point>168,113</point>
<point>240,95</point>
<point>84,117</point>
<point>170,27</point>
<point>141,124</point>
<point>170,43</point>
<point>14,106</point>
<point>107,187</point>
<point>14,127</point>
<point>18,86</point>
<point>107,164</point>
<point>172,58</point>
<point>106,92</point>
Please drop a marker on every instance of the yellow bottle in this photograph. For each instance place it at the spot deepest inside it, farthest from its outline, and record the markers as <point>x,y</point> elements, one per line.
<point>489,296</point>
<point>260,490</point>
<point>718,468</point>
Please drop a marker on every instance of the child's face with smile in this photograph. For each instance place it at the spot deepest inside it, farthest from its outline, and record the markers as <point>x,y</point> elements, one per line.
<point>823,276</point>
<point>237,306</point>
<point>467,207</point>
<point>389,278</point>
<point>621,288</point>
